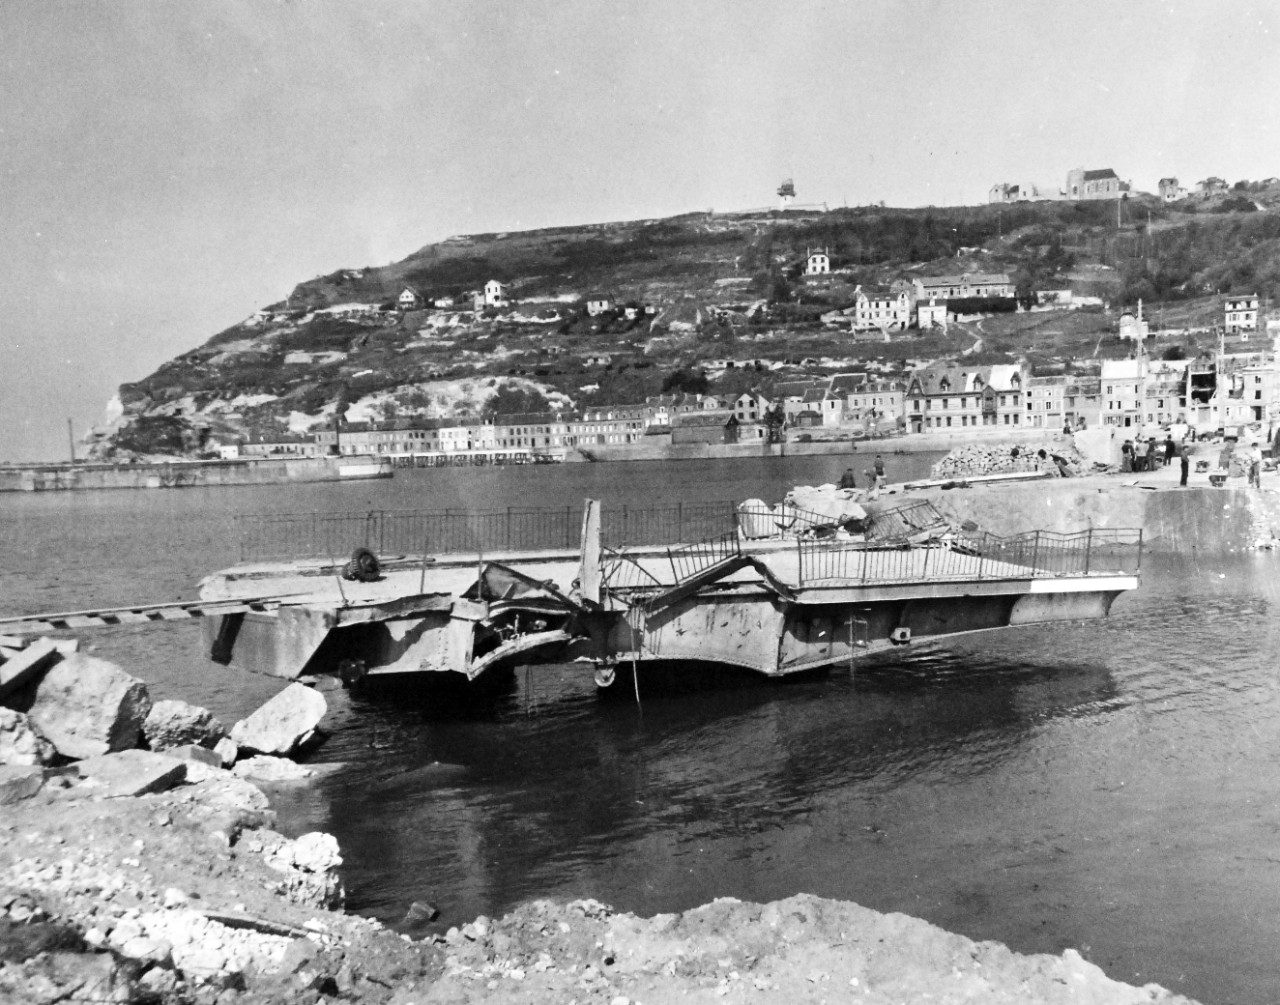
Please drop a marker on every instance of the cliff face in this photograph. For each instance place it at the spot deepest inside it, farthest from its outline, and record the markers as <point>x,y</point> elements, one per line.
<point>604,313</point>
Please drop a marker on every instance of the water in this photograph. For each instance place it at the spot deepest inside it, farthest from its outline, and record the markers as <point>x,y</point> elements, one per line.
<point>1110,786</point>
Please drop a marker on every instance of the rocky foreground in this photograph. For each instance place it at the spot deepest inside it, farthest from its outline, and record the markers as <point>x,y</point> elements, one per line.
<point>189,896</point>
<point>138,863</point>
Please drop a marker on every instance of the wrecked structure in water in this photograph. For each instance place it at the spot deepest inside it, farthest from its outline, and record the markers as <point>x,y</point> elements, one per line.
<point>779,591</point>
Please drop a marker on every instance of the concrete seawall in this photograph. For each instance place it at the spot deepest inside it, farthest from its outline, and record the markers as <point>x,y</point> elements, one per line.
<point>180,474</point>
<point>1173,520</point>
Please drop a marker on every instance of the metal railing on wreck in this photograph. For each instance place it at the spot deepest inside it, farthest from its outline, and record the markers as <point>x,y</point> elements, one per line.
<point>454,531</point>
<point>975,557</point>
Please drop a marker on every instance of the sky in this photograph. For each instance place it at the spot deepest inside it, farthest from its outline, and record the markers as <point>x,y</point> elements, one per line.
<point>167,168</point>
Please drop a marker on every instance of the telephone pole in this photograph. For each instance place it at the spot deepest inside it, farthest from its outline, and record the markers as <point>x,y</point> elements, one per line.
<point>71,441</point>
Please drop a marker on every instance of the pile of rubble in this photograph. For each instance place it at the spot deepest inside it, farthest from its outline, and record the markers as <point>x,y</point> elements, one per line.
<point>1057,459</point>
<point>114,804</point>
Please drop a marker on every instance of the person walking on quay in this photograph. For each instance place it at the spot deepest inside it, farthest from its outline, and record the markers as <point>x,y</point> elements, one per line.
<point>879,468</point>
<point>1184,456</point>
<point>1255,465</point>
<point>1153,454</point>
<point>848,480</point>
<point>1170,449</point>
<point>1126,456</point>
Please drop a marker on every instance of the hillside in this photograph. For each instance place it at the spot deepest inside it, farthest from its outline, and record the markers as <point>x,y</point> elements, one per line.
<point>688,293</point>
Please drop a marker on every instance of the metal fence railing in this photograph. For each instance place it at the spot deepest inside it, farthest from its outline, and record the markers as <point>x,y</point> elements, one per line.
<point>415,532</point>
<point>984,557</point>
<point>691,559</point>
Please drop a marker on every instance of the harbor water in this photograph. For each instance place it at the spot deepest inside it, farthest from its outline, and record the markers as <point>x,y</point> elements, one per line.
<point>1113,786</point>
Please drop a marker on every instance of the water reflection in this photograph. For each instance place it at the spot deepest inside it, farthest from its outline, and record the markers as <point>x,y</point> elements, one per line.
<point>482,812</point>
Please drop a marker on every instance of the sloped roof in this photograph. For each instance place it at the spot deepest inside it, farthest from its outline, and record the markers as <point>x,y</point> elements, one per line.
<point>972,278</point>
<point>967,380</point>
<point>847,381</point>
<point>1100,174</point>
<point>716,418</point>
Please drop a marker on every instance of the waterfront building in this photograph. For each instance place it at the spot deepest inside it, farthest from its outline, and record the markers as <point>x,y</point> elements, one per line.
<point>750,407</point>
<point>661,409</point>
<point>948,396</point>
<point>1046,401</point>
<point>1122,398</point>
<point>705,427</point>
<point>1082,402</point>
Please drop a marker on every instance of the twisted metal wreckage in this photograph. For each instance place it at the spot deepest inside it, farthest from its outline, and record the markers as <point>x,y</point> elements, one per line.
<point>784,591</point>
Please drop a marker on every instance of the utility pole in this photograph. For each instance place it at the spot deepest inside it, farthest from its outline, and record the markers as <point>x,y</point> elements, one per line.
<point>1217,379</point>
<point>71,441</point>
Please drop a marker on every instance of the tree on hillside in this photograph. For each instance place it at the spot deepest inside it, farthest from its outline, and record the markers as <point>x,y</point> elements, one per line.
<point>1175,352</point>
<point>509,400</point>
<point>685,381</point>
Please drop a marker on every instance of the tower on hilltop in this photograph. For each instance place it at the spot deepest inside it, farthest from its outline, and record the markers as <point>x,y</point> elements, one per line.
<point>786,194</point>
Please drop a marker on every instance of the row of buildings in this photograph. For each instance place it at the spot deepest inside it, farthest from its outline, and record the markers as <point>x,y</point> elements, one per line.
<point>1234,389</point>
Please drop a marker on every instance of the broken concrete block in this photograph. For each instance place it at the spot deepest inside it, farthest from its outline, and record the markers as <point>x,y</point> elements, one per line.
<point>26,665</point>
<point>193,752</point>
<point>20,743</point>
<point>19,781</point>
<point>270,769</point>
<point>133,772</point>
<point>175,723</point>
<point>228,750</point>
<point>86,706</point>
<point>283,724</point>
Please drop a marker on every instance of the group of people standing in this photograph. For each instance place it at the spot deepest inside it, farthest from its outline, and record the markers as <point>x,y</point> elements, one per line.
<point>875,477</point>
<point>1147,454</point>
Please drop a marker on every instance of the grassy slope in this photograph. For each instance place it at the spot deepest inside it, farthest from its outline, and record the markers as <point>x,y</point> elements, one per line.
<point>1174,259</point>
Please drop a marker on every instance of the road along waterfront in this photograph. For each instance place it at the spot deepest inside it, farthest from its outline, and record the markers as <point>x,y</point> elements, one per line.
<point>1109,787</point>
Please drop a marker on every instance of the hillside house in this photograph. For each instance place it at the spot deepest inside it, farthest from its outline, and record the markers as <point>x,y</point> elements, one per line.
<point>1132,325</point>
<point>444,300</point>
<point>1240,314</point>
<point>818,264</point>
<point>599,303</point>
<point>882,309</point>
<point>1100,184</point>
<point>495,294</point>
<point>409,299</point>
<point>1010,192</point>
<point>1170,190</point>
<point>968,284</point>
<point>931,314</point>
<point>1210,187</point>
<point>947,396</point>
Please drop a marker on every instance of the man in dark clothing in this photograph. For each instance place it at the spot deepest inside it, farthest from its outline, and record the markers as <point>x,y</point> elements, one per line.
<point>848,480</point>
<point>879,468</point>
<point>1185,456</point>
<point>1170,449</point>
